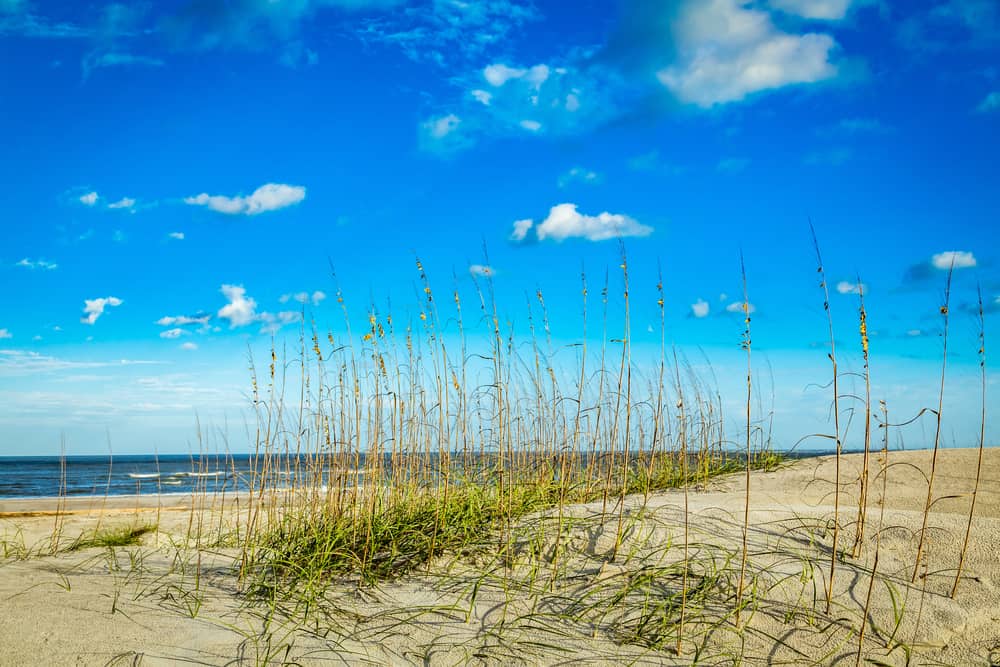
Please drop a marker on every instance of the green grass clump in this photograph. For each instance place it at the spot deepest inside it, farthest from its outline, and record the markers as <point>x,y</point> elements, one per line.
<point>116,536</point>
<point>399,533</point>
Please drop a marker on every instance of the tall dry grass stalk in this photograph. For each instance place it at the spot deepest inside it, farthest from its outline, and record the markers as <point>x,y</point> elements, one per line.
<point>836,419</point>
<point>863,495</point>
<point>922,539</point>
<point>746,344</point>
<point>982,440</point>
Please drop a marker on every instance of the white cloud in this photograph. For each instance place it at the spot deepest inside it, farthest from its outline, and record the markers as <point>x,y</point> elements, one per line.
<point>579,175</point>
<point>37,264</point>
<point>443,134</point>
<point>189,346</point>
<point>481,270</point>
<point>482,96</point>
<point>5,333</point>
<point>564,221</point>
<point>499,74</point>
<point>521,229</point>
<point>36,337</point>
<point>274,321</point>
<point>182,320</point>
<point>562,99</point>
<point>173,333</point>
<point>241,309</point>
<point>124,202</point>
<point>699,308</point>
<point>737,307</point>
<point>960,259</point>
<point>94,308</point>
<point>990,103</point>
<point>89,199</point>
<point>830,10</point>
<point>845,287</point>
<point>176,236</point>
<point>442,126</point>
<point>268,197</point>
<point>728,50</point>
<point>304,297</point>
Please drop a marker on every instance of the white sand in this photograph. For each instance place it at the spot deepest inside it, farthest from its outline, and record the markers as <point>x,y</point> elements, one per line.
<point>166,604</point>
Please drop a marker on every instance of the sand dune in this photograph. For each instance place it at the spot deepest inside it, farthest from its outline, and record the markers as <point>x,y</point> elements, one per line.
<point>167,603</point>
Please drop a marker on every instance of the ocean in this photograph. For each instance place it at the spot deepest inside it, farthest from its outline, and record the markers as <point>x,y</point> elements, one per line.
<point>34,476</point>
<point>40,476</point>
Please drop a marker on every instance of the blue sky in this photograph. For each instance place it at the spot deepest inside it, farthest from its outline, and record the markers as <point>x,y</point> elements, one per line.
<point>181,176</point>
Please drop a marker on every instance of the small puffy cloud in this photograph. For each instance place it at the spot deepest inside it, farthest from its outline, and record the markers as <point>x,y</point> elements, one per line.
<point>176,236</point>
<point>442,126</point>
<point>728,49</point>
<point>943,261</point>
<point>443,134</point>
<point>124,202</point>
<point>481,270</point>
<point>561,98</point>
<point>499,74</point>
<point>170,334</point>
<point>960,259</point>
<point>183,320</point>
<point>274,321</point>
<point>304,297</point>
<point>845,287</point>
<point>579,175</point>
<point>732,165</point>
<point>89,199</point>
<point>699,308</point>
<point>268,197</point>
<point>94,308</point>
<point>189,346</point>
<point>37,264</point>
<point>737,307</point>
<point>990,103</point>
<point>565,221</point>
<point>241,309</point>
<point>5,333</point>
<point>521,229</point>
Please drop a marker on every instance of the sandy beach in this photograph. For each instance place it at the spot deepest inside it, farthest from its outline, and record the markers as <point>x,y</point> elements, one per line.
<point>175,600</point>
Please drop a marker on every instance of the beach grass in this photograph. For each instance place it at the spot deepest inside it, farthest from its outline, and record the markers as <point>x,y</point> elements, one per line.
<point>112,536</point>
